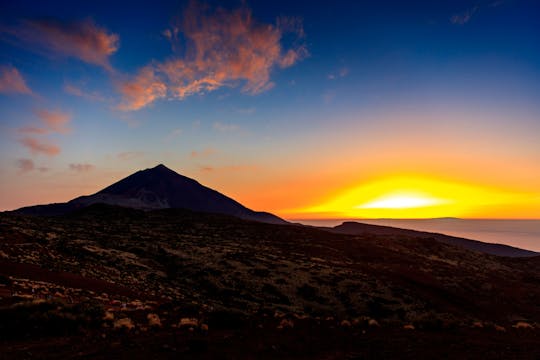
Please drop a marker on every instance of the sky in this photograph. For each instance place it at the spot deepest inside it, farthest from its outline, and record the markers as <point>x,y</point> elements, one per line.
<point>362,109</point>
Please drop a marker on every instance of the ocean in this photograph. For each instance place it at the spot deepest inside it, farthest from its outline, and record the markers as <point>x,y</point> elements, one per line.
<point>524,234</point>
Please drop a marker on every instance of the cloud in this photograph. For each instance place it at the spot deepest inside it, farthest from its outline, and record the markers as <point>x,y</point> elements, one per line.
<point>144,89</point>
<point>203,153</point>
<point>25,165</point>
<point>227,168</point>
<point>36,146</point>
<point>221,48</point>
<point>464,17</point>
<point>341,73</point>
<point>81,167</point>
<point>11,81</point>
<point>219,126</point>
<point>83,40</point>
<point>173,134</point>
<point>52,121</point>
<point>128,155</point>
<point>77,91</point>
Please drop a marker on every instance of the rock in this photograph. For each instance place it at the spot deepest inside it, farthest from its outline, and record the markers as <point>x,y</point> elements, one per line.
<point>522,325</point>
<point>153,320</point>
<point>124,323</point>
<point>188,322</point>
<point>108,316</point>
<point>285,323</point>
<point>346,323</point>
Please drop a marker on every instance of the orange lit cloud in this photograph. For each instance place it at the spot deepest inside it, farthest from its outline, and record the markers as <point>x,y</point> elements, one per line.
<point>203,153</point>
<point>81,167</point>
<point>53,121</point>
<point>83,40</point>
<point>11,81</point>
<point>222,48</point>
<point>142,90</point>
<point>36,146</point>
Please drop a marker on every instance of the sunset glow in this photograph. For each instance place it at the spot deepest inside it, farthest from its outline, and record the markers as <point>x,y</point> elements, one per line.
<point>355,110</point>
<point>411,197</point>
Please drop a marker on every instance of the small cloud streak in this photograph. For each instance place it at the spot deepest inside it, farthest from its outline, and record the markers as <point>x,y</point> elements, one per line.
<point>81,167</point>
<point>12,82</point>
<point>53,121</point>
<point>40,147</point>
<point>227,168</point>
<point>464,17</point>
<point>341,73</point>
<point>173,134</point>
<point>83,40</point>
<point>25,165</point>
<point>219,126</point>
<point>222,48</point>
<point>77,91</point>
<point>203,153</point>
<point>129,155</point>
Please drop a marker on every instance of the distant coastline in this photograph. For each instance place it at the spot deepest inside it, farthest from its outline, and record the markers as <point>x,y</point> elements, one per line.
<point>523,233</point>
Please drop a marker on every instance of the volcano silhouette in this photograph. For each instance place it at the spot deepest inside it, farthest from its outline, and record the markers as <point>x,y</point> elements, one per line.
<point>158,188</point>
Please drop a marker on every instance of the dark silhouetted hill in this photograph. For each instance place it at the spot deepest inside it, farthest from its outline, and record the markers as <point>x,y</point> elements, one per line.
<point>158,188</point>
<point>356,228</point>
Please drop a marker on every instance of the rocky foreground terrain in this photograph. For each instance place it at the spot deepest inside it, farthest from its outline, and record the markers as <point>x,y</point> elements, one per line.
<point>111,282</point>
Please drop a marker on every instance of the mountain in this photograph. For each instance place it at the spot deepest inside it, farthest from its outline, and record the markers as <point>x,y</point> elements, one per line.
<point>356,228</point>
<point>158,188</point>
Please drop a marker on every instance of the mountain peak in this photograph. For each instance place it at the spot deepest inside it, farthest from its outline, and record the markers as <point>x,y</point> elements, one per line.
<point>160,167</point>
<point>160,188</point>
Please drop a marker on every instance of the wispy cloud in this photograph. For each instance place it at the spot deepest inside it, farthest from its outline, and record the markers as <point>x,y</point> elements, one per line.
<point>344,71</point>
<point>51,122</point>
<point>75,90</point>
<point>81,167</point>
<point>227,168</point>
<point>144,89</point>
<point>25,165</point>
<point>246,111</point>
<point>55,122</point>
<point>222,127</point>
<point>129,155</point>
<point>464,17</point>
<point>173,134</point>
<point>11,81</point>
<point>203,153</point>
<point>222,48</point>
<point>40,146</point>
<point>83,40</point>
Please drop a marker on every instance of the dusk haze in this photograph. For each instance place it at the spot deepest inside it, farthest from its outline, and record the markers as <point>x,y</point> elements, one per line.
<point>354,138</point>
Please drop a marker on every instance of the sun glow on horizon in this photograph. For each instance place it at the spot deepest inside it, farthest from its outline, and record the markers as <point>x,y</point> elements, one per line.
<point>413,197</point>
<point>400,201</point>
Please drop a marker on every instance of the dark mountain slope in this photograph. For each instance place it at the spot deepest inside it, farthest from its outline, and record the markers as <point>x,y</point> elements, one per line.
<point>158,188</point>
<point>355,228</point>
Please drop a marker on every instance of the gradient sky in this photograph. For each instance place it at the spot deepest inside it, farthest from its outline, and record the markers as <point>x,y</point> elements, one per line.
<point>305,109</point>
